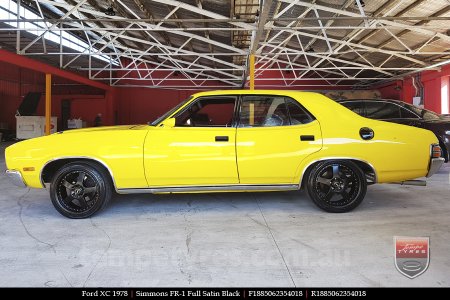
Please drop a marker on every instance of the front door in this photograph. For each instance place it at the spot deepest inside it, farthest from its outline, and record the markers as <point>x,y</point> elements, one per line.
<point>274,135</point>
<point>200,150</point>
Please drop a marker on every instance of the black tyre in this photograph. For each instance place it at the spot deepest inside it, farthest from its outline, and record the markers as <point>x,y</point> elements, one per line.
<point>336,185</point>
<point>80,189</point>
<point>444,151</point>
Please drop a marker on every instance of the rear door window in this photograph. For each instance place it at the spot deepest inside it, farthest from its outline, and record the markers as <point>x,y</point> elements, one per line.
<point>263,111</point>
<point>297,114</point>
<point>269,111</point>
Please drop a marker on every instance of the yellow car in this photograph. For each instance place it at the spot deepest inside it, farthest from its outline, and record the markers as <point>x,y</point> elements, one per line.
<point>224,141</point>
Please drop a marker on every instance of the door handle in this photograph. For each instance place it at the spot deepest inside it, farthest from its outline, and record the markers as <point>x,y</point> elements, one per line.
<point>221,138</point>
<point>307,138</point>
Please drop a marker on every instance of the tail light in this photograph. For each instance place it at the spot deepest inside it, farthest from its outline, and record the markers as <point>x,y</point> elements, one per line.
<point>436,151</point>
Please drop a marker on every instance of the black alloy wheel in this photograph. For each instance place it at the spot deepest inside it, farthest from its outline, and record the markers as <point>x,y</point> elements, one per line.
<point>336,185</point>
<point>80,189</point>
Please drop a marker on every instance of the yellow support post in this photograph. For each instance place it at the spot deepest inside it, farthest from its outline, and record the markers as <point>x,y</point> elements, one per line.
<point>251,120</point>
<point>48,103</point>
<point>252,71</point>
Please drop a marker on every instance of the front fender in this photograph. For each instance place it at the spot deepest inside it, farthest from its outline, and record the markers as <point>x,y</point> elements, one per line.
<point>121,151</point>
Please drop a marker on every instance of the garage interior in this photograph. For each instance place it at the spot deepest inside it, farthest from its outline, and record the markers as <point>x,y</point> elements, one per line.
<point>130,61</point>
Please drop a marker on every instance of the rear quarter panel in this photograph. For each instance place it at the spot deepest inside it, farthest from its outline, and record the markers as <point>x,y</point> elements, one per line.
<point>397,152</point>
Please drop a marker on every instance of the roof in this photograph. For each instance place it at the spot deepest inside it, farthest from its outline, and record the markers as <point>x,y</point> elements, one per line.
<point>253,92</point>
<point>380,100</point>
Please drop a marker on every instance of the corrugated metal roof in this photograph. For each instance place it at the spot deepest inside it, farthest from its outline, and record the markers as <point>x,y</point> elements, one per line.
<point>211,39</point>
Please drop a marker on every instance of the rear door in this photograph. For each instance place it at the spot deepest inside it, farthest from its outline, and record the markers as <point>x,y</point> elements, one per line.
<point>274,135</point>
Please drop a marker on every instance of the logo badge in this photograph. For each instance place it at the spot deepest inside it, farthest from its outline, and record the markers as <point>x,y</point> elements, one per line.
<point>412,255</point>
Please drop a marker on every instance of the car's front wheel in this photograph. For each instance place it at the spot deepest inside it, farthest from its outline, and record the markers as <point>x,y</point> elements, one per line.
<point>80,189</point>
<point>336,185</point>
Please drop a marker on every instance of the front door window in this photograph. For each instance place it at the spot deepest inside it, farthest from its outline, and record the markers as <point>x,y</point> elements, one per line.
<point>208,112</point>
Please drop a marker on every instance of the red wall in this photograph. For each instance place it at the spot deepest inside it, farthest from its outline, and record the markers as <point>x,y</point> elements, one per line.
<point>141,105</point>
<point>136,105</point>
<point>16,82</point>
<point>432,82</point>
<point>284,80</point>
<point>392,90</point>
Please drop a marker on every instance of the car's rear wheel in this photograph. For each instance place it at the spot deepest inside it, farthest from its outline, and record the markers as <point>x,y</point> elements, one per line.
<point>80,189</point>
<point>336,185</point>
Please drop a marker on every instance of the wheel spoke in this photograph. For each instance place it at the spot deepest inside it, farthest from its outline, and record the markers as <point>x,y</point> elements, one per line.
<point>82,201</point>
<point>90,190</point>
<point>67,184</point>
<point>324,181</point>
<point>80,178</point>
<point>68,199</point>
<point>329,195</point>
<point>346,182</point>
<point>335,170</point>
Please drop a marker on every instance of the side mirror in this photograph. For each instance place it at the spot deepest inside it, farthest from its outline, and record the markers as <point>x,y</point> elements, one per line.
<point>169,123</point>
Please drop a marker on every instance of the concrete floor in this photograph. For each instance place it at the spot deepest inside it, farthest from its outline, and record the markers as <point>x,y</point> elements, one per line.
<point>236,239</point>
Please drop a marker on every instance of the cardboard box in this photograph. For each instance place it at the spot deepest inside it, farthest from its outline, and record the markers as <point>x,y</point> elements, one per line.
<point>28,127</point>
<point>74,123</point>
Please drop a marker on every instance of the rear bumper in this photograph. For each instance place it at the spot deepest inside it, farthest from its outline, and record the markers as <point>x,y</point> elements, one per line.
<point>435,165</point>
<point>15,177</point>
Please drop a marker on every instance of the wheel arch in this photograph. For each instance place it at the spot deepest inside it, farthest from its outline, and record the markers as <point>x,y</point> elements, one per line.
<point>52,166</point>
<point>366,167</point>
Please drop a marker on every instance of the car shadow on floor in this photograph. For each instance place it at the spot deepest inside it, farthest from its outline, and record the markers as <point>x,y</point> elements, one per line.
<point>386,198</point>
<point>209,202</point>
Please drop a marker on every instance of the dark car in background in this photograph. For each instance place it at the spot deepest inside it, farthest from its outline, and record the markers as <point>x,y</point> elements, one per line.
<point>404,113</point>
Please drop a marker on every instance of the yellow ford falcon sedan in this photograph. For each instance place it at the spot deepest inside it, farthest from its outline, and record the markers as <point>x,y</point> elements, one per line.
<point>225,141</point>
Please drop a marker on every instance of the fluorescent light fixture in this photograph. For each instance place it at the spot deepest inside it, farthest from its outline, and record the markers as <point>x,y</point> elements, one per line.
<point>8,10</point>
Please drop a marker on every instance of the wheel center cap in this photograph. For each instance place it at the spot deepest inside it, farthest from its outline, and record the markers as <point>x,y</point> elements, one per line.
<point>77,191</point>
<point>337,184</point>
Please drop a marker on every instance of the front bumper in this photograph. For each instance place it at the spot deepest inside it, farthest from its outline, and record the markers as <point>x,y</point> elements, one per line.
<point>435,165</point>
<point>15,177</point>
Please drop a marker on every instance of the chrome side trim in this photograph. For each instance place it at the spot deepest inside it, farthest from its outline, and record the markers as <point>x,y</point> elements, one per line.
<point>435,165</point>
<point>207,188</point>
<point>75,157</point>
<point>333,158</point>
<point>15,177</point>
